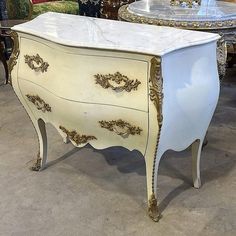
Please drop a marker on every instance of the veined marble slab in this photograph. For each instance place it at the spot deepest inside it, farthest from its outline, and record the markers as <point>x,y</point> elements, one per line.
<point>80,31</point>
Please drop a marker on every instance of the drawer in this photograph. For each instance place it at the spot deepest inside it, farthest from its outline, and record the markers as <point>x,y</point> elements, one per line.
<point>102,125</point>
<point>82,77</point>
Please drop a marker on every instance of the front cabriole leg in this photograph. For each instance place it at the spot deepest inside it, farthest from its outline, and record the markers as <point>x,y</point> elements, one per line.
<point>155,123</point>
<point>42,137</point>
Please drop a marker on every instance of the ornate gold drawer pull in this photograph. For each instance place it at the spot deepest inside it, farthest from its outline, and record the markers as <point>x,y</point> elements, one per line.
<point>39,103</point>
<point>120,127</point>
<point>77,138</point>
<point>123,82</point>
<point>40,64</point>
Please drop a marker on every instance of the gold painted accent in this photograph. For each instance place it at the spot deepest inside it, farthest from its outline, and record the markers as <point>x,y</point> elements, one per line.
<point>153,210</point>
<point>118,78</point>
<point>156,95</point>
<point>15,53</point>
<point>77,138</point>
<point>37,164</point>
<point>39,103</point>
<point>120,127</point>
<point>125,15</point>
<point>41,65</point>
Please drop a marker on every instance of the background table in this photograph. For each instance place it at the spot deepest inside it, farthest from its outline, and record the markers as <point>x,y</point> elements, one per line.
<point>212,16</point>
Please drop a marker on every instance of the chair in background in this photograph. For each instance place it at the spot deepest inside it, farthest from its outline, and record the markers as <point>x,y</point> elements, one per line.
<point>13,12</point>
<point>89,8</point>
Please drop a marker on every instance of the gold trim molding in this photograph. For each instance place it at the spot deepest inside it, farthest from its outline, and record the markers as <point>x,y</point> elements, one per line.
<point>15,53</point>
<point>118,78</point>
<point>156,96</point>
<point>39,103</point>
<point>125,15</point>
<point>77,138</point>
<point>41,65</point>
<point>120,127</point>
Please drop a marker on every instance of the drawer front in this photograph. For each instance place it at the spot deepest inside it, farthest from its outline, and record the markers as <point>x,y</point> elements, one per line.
<point>85,78</point>
<point>100,125</point>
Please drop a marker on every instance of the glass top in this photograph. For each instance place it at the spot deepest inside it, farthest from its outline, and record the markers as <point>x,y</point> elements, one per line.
<point>209,10</point>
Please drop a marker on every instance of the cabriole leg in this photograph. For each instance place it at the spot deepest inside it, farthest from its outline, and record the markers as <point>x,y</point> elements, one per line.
<point>42,155</point>
<point>196,154</point>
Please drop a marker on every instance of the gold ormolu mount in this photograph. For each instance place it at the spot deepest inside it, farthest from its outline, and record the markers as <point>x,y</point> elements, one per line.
<point>153,210</point>
<point>36,59</point>
<point>123,83</point>
<point>77,138</point>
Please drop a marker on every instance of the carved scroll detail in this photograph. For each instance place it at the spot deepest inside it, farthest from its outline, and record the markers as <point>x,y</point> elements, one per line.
<point>39,103</point>
<point>41,65</point>
<point>120,127</point>
<point>77,138</point>
<point>156,87</point>
<point>15,53</point>
<point>127,84</point>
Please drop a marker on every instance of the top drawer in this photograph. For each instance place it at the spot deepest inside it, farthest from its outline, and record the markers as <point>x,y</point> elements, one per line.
<point>102,79</point>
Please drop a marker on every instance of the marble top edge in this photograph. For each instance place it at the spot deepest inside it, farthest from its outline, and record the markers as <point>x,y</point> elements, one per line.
<point>81,31</point>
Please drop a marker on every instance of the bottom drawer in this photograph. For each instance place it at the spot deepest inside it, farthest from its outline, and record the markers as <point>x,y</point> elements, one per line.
<point>100,125</point>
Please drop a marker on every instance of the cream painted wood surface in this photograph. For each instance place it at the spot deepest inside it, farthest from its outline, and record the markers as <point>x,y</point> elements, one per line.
<point>84,67</point>
<point>171,108</point>
<point>84,118</point>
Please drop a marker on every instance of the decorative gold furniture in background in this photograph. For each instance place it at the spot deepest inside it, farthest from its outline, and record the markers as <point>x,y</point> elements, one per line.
<point>211,16</point>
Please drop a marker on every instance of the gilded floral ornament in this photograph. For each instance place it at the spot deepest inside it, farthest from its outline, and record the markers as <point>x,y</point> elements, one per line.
<point>120,127</point>
<point>39,103</point>
<point>121,82</point>
<point>40,64</point>
<point>75,137</point>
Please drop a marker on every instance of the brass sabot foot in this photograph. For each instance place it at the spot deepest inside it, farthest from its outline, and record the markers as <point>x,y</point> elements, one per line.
<point>153,210</point>
<point>37,164</point>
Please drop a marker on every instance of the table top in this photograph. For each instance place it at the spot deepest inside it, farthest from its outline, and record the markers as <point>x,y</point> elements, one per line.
<point>81,31</point>
<point>210,14</point>
<point>207,11</point>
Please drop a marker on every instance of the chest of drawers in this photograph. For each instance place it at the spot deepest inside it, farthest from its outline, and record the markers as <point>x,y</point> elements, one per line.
<point>110,83</point>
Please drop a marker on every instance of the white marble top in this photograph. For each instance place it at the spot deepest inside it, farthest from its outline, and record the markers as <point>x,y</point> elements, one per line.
<point>80,31</point>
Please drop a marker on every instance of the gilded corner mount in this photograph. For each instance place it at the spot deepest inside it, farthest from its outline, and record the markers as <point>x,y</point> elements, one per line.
<point>15,53</point>
<point>156,87</point>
